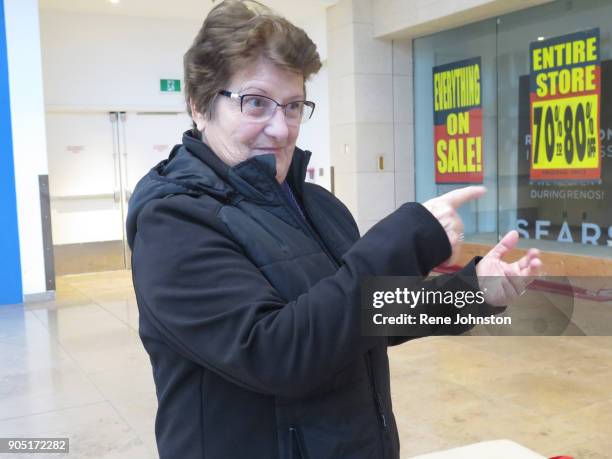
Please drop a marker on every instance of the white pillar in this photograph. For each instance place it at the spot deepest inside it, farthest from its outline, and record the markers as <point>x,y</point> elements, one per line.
<point>29,139</point>
<point>370,114</point>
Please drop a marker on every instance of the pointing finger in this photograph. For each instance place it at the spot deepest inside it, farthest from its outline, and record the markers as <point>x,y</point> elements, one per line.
<point>457,198</point>
<point>505,245</point>
<point>523,262</point>
<point>534,266</point>
<point>531,254</point>
<point>528,258</point>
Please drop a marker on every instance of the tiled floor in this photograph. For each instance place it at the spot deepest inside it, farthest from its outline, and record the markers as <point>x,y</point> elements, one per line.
<point>75,367</point>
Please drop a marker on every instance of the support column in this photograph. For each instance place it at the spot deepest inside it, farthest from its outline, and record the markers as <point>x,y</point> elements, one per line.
<point>370,114</point>
<point>25,126</point>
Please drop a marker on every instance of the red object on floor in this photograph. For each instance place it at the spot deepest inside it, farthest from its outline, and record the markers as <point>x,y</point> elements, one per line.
<point>562,457</point>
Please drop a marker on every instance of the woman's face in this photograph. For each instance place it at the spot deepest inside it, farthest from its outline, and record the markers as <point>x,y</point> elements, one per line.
<point>234,138</point>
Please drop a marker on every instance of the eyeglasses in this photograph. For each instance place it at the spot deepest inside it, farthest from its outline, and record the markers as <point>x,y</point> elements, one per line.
<point>261,108</point>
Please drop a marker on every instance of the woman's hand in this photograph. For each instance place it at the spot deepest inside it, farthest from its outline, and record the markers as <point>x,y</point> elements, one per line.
<point>444,208</point>
<point>504,282</point>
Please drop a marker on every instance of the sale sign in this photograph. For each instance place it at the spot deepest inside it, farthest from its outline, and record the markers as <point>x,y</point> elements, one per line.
<point>565,90</point>
<point>458,122</point>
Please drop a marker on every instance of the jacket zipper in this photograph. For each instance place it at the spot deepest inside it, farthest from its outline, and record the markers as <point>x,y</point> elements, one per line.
<point>378,403</point>
<point>377,397</point>
<point>296,443</point>
<point>376,394</point>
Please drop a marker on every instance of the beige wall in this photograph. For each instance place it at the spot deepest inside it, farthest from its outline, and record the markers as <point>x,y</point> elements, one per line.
<point>412,18</point>
<point>362,115</point>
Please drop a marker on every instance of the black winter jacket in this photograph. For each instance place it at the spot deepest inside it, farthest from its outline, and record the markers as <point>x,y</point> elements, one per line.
<point>250,313</point>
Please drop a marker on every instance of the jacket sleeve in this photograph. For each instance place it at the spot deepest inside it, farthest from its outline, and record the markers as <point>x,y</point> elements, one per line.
<point>213,305</point>
<point>465,280</point>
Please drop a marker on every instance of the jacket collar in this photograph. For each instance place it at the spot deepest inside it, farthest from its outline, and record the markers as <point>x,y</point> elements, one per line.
<point>255,178</point>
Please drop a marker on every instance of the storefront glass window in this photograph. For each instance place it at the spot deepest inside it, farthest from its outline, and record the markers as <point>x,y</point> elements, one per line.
<point>546,73</point>
<point>457,46</point>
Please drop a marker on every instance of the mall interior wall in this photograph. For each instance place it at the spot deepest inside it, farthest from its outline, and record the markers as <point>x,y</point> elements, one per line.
<point>411,18</point>
<point>112,62</point>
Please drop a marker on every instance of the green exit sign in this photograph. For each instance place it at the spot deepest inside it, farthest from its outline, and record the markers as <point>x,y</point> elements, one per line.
<point>170,85</point>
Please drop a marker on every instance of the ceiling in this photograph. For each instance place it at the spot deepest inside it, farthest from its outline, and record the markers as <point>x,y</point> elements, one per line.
<point>294,10</point>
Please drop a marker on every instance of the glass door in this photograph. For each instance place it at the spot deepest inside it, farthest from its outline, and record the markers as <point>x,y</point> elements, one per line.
<point>84,188</point>
<point>95,161</point>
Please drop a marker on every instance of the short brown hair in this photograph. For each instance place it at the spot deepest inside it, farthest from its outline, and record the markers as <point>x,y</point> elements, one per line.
<point>234,34</point>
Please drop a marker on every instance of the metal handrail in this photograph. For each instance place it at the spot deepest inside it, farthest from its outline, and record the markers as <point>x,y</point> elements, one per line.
<point>77,197</point>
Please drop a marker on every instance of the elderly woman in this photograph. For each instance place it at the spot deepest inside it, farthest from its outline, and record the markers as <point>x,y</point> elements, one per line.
<point>248,278</point>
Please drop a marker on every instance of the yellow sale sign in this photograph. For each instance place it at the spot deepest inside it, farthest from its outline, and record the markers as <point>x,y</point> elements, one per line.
<point>565,134</point>
<point>565,88</point>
